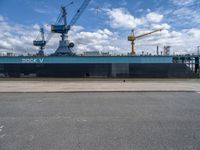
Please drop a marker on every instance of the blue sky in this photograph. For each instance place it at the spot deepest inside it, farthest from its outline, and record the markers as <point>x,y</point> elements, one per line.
<point>107,21</point>
<point>30,12</point>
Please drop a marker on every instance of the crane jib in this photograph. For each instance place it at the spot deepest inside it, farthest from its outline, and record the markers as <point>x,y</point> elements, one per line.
<point>65,28</point>
<point>79,12</point>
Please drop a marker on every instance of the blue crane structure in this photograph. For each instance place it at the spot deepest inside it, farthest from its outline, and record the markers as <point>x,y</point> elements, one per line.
<point>40,42</point>
<point>62,27</point>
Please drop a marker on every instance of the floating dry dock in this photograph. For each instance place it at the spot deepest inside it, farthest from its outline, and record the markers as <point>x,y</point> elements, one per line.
<point>107,66</point>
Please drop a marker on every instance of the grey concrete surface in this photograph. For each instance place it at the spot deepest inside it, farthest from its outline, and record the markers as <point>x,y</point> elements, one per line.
<point>101,85</point>
<point>100,121</point>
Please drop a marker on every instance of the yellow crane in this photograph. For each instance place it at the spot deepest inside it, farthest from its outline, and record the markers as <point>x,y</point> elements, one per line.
<point>132,39</point>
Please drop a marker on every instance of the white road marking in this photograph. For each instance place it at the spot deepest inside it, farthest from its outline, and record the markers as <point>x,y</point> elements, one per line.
<point>198,92</point>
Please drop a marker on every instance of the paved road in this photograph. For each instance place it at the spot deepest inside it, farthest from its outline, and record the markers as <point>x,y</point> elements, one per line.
<point>100,121</point>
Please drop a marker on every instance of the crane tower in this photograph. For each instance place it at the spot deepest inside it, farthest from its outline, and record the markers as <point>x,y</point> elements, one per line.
<point>62,27</point>
<point>132,39</point>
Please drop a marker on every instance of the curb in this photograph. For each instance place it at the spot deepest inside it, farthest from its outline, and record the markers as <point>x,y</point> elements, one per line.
<point>153,91</point>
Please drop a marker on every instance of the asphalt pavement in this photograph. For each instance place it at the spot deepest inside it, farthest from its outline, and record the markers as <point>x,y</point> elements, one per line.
<point>100,121</point>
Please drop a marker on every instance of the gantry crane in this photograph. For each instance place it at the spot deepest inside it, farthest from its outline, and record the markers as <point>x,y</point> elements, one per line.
<point>40,42</point>
<point>132,38</point>
<point>62,27</point>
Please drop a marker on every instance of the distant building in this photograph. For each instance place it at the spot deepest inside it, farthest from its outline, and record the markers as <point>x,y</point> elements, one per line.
<point>96,53</point>
<point>105,54</point>
<point>7,54</point>
<point>92,53</point>
<point>10,54</point>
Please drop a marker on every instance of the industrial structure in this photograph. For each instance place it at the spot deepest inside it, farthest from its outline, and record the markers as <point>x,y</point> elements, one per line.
<point>133,38</point>
<point>40,42</point>
<point>65,63</point>
<point>61,27</point>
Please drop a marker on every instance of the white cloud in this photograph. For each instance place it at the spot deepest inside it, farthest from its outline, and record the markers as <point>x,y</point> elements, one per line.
<point>41,11</point>
<point>77,28</point>
<point>99,40</point>
<point>154,17</point>
<point>16,38</point>
<point>194,32</point>
<point>36,27</point>
<point>182,2</point>
<point>160,26</point>
<point>186,16</point>
<point>182,11</point>
<point>182,42</point>
<point>121,18</point>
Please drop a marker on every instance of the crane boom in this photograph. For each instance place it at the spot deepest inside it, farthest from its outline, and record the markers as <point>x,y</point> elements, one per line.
<point>145,34</point>
<point>132,38</point>
<point>79,12</point>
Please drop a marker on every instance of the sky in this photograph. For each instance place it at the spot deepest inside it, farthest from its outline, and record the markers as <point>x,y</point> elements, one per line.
<point>104,25</point>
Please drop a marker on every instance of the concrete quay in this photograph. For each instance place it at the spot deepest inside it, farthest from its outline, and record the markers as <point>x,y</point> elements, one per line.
<point>118,85</point>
